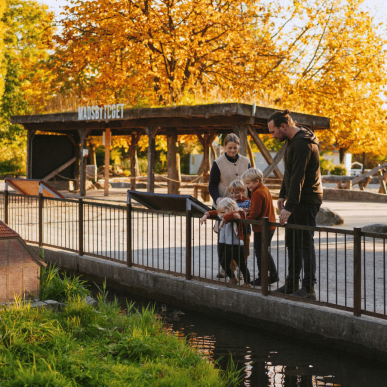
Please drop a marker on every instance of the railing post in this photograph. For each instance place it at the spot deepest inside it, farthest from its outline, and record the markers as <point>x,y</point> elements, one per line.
<point>40,219</point>
<point>357,272</point>
<point>6,198</point>
<point>80,226</point>
<point>129,258</point>
<point>188,257</point>
<point>265,257</point>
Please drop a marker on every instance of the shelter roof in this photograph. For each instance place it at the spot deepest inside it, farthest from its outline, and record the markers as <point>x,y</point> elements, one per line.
<point>212,118</point>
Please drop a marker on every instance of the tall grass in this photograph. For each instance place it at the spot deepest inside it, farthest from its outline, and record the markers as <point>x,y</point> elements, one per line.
<point>83,346</point>
<point>62,288</point>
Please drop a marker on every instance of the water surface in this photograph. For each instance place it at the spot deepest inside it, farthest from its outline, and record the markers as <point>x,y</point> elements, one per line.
<point>268,358</point>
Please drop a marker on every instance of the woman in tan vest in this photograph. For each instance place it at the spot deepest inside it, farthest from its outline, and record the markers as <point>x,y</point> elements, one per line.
<point>226,168</point>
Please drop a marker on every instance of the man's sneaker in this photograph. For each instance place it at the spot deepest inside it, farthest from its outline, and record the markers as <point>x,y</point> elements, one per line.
<point>288,288</point>
<point>256,282</point>
<point>221,274</point>
<point>304,293</point>
<point>272,280</point>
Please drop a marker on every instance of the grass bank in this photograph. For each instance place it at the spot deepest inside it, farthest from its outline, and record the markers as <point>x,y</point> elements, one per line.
<point>83,346</point>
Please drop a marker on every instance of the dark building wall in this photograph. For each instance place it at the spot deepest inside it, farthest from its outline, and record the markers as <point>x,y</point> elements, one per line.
<point>50,152</point>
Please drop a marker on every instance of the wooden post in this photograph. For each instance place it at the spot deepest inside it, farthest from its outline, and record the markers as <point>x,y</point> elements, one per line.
<point>206,142</point>
<point>133,159</point>
<point>83,133</point>
<point>30,137</point>
<point>173,165</point>
<point>251,155</point>
<point>76,167</point>
<point>265,153</point>
<point>107,162</point>
<point>241,131</point>
<point>151,133</point>
<point>382,188</point>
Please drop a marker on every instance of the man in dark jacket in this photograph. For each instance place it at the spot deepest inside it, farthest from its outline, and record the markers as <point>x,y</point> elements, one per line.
<point>299,200</point>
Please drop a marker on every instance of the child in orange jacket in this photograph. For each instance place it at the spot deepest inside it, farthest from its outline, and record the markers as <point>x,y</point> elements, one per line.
<point>231,235</point>
<point>261,207</point>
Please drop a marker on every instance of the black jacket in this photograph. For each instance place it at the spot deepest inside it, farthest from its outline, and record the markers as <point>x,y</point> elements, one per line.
<point>302,178</point>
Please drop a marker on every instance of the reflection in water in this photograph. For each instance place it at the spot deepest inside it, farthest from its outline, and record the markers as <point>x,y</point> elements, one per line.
<point>268,358</point>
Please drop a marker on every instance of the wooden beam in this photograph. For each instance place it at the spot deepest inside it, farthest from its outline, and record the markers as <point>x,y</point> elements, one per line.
<point>107,162</point>
<point>367,174</point>
<point>265,153</point>
<point>251,155</point>
<point>151,133</point>
<point>59,169</point>
<point>278,157</point>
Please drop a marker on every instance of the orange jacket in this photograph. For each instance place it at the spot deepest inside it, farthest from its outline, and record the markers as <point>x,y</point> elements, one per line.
<point>240,229</point>
<point>261,207</point>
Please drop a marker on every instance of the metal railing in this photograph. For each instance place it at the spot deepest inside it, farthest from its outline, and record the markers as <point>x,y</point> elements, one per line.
<point>350,264</point>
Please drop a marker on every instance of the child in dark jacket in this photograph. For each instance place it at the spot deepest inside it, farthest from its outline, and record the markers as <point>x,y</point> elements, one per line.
<point>261,207</point>
<point>231,238</point>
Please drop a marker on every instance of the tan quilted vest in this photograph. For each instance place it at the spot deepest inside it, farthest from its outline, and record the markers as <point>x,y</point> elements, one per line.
<point>230,171</point>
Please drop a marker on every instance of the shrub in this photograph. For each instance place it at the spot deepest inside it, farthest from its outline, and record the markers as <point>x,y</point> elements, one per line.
<point>338,170</point>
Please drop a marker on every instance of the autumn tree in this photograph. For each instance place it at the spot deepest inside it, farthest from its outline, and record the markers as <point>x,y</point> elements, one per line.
<point>156,51</point>
<point>27,32</point>
<point>336,67</point>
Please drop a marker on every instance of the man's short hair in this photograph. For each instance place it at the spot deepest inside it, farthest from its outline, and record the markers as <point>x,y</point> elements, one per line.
<point>237,185</point>
<point>252,174</point>
<point>282,118</point>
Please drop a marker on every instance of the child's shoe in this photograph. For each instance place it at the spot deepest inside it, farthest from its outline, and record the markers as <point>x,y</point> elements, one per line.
<point>248,285</point>
<point>233,281</point>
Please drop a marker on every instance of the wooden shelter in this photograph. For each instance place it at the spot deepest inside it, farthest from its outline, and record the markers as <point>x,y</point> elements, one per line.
<point>204,121</point>
<point>19,267</point>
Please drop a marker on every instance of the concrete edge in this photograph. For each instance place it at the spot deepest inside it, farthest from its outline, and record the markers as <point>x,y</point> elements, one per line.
<point>327,326</point>
<point>348,195</point>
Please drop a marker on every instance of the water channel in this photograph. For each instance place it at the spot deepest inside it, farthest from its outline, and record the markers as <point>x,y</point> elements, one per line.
<point>268,358</point>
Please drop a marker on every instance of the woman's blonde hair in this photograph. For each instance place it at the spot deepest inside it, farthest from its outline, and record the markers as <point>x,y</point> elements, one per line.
<point>228,204</point>
<point>236,185</point>
<point>252,174</point>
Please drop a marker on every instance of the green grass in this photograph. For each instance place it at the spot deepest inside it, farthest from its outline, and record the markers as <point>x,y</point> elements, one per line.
<point>62,288</point>
<point>83,346</point>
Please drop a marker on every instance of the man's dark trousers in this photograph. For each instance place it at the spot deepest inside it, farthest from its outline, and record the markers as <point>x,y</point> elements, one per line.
<point>300,244</point>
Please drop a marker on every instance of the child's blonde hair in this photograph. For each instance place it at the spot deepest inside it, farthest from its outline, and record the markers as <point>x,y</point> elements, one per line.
<point>252,174</point>
<point>228,204</point>
<point>237,186</point>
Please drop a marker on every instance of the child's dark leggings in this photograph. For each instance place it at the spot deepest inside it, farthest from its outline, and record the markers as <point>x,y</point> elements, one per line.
<point>258,252</point>
<point>227,253</point>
